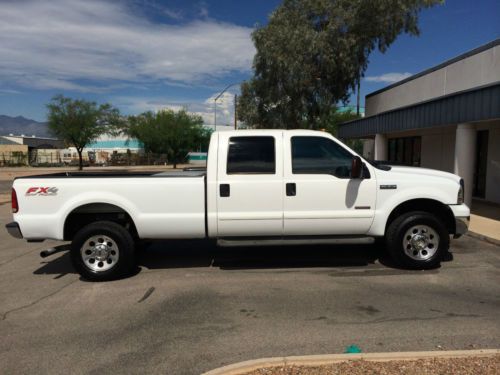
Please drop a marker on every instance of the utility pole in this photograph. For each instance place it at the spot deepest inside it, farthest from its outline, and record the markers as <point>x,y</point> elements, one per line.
<point>215,102</point>
<point>357,99</point>
<point>235,108</point>
<point>215,115</point>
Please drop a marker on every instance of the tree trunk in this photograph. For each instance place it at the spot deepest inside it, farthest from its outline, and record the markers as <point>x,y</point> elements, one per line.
<point>80,159</point>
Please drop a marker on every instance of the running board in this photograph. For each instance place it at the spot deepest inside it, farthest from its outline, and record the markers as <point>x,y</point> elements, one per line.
<point>281,241</point>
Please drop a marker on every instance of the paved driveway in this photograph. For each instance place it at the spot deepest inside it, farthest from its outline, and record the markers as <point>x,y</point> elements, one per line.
<point>193,307</point>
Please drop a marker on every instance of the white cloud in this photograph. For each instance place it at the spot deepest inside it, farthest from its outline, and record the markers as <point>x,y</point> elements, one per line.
<point>88,45</point>
<point>9,91</point>
<point>203,9</point>
<point>205,108</point>
<point>388,77</point>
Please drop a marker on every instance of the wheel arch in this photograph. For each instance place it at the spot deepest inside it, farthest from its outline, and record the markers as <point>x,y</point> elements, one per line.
<point>87,213</point>
<point>432,206</point>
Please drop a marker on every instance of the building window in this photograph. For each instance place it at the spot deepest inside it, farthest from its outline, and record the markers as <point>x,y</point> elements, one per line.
<point>405,151</point>
<point>319,155</point>
<point>254,155</point>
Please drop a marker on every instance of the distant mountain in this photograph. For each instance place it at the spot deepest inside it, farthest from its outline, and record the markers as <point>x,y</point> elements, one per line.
<point>20,125</point>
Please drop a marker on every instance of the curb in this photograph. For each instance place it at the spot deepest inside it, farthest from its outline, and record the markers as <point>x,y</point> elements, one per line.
<point>327,359</point>
<point>482,237</point>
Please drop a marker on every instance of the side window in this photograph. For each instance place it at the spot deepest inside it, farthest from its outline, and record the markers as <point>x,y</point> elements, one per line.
<point>251,155</point>
<point>318,155</point>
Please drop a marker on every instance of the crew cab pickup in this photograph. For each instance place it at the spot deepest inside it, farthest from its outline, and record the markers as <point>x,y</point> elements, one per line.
<point>260,187</point>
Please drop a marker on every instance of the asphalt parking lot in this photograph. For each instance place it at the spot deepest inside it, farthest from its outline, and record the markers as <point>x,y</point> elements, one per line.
<point>193,307</point>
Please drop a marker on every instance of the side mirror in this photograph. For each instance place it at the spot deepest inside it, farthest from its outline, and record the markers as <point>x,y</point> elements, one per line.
<point>356,167</point>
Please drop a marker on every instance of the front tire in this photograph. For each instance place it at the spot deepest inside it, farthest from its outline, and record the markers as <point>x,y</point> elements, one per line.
<point>417,240</point>
<point>103,251</point>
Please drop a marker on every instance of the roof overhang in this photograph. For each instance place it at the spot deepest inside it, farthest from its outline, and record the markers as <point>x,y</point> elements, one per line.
<point>478,104</point>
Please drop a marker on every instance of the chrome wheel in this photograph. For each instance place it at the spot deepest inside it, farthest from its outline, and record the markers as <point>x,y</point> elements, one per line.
<point>420,242</point>
<point>99,253</point>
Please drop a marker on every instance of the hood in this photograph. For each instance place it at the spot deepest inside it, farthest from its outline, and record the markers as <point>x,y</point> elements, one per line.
<point>425,172</point>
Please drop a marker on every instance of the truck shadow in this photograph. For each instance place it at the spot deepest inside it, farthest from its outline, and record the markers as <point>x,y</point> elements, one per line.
<point>192,254</point>
<point>175,254</point>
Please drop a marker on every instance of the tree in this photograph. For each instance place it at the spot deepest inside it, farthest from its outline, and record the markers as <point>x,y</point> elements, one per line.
<point>204,139</point>
<point>313,53</point>
<point>80,122</point>
<point>331,122</point>
<point>334,118</point>
<point>169,132</point>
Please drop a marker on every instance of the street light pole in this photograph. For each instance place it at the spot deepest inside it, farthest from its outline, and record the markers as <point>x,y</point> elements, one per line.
<point>215,115</point>
<point>235,114</point>
<point>215,102</point>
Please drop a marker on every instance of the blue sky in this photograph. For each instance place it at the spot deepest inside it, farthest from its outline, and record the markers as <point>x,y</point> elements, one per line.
<point>149,54</point>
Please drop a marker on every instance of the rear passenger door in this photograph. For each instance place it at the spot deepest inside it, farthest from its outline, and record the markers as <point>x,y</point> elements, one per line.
<point>250,184</point>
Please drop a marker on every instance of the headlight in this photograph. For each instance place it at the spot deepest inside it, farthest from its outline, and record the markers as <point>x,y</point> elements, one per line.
<point>460,197</point>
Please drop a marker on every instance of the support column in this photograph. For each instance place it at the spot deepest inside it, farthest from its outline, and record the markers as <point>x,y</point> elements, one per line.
<point>465,157</point>
<point>369,149</point>
<point>380,147</point>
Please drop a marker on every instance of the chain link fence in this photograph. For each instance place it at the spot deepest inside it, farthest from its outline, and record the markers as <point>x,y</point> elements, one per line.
<point>60,158</point>
<point>14,159</point>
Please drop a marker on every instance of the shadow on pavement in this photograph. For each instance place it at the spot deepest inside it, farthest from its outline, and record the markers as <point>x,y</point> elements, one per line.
<point>175,254</point>
<point>191,254</point>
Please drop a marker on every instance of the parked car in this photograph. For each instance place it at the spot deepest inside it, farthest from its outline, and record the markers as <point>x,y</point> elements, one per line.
<point>260,187</point>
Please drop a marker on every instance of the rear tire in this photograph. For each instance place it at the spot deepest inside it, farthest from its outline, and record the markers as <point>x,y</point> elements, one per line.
<point>417,240</point>
<point>103,251</point>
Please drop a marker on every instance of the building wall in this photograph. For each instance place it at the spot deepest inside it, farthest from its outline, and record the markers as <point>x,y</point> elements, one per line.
<point>438,148</point>
<point>13,154</point>
<point>438,152</point>
<point>471,72</point>
<point>49,156</point>
<point>493,163</point>
<point>15,139</point>
<point>41,143</point>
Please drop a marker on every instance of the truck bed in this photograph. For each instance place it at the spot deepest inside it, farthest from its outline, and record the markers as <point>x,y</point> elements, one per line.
<point>162,204</point>
<point>118,174</point>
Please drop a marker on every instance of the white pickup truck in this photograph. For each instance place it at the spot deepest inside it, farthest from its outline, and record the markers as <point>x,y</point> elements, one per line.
<point>260,187</point>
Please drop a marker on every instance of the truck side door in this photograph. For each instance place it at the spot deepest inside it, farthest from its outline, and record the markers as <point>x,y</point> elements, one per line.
<point>250,184</point>
<point>321,198</point>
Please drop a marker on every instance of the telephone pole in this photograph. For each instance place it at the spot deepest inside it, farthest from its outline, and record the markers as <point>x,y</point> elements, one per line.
<point>215,102</point>
<point>357,99</point>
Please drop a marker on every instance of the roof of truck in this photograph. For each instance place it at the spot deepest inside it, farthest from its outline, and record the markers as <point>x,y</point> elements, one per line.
<point>272,131</point>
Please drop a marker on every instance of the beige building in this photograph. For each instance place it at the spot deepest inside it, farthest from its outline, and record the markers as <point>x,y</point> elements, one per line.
<point>35,150</point>
<point>446,117</point>
<point>13,154</point>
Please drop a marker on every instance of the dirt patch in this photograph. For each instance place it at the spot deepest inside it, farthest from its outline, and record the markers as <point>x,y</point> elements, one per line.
<point>455,366</point>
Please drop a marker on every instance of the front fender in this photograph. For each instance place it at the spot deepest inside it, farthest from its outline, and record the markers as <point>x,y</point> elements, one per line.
<point>387,203</point>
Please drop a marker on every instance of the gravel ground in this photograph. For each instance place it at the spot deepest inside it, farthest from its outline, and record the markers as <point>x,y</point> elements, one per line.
<point>452,366</point>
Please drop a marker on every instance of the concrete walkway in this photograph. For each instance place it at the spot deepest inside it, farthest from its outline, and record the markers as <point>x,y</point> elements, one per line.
<point>485,220</point>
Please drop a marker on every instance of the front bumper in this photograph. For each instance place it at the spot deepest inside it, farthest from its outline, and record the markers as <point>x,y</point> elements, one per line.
<point>14,230</point>
<point>461,226</point>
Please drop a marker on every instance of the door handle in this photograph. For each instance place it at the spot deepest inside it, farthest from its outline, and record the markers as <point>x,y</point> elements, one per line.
<point>291,189</point>
<point>224,190</point>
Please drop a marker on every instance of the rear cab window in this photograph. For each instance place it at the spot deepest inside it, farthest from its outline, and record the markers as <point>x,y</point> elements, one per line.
<point>251,155</point>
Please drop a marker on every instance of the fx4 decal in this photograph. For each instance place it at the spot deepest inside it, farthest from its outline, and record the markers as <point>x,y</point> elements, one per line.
<point>44,191</point>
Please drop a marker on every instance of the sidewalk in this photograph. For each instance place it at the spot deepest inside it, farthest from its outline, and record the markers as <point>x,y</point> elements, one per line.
<point>485,220</point>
